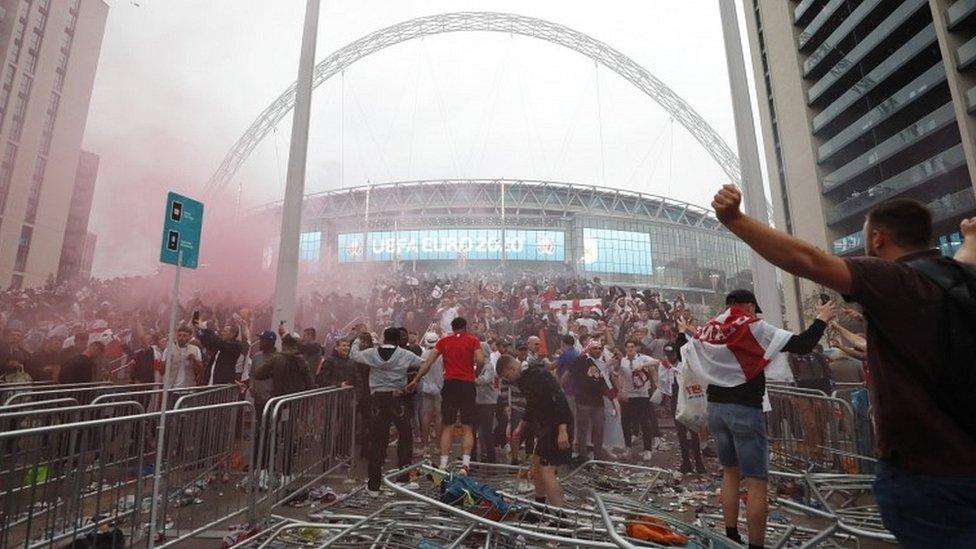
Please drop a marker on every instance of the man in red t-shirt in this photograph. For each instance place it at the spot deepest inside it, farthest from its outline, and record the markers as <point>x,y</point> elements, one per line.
<point>463,359</point>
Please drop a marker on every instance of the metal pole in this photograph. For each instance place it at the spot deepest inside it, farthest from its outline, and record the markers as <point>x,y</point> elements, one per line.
<point>763,273</point>
<point>161,432</point>
<point>286,279</point>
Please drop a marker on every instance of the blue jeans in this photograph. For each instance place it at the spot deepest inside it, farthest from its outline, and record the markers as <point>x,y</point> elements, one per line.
<point>740,438</point>
<point>924,510</point>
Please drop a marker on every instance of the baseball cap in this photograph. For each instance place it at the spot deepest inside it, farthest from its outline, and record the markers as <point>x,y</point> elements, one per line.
<point>268,335</point>
<point>521,345</point>
<point>430,339</point>
<point>742,296</point>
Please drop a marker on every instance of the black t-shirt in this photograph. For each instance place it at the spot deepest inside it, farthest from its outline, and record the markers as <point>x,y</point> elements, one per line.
<point>545,403</point>
<point>312,352</point>
<point>142,367</point>
<point>80,369</point>
<point>588,382</point>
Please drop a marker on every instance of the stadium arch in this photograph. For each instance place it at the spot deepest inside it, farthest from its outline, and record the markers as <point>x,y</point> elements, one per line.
<point>509,23</point>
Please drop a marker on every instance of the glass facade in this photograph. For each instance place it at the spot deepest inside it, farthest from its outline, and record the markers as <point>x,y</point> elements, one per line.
<point>612,251</point>
<point>310,247</point>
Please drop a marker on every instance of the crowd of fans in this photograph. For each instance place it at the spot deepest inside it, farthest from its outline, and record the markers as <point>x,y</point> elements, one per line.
<point>115,330</point>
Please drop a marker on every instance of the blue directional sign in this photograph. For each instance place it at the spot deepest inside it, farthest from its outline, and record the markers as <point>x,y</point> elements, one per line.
<point>181,230</point>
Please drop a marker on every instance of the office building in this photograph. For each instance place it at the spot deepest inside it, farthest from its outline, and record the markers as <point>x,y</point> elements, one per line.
<point>49,51</point>
<point>861,101</point>
<point>79,210</point>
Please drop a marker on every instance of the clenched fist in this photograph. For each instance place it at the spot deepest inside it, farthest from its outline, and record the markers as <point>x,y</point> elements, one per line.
<point>727,203</point>
<point>968,227</point>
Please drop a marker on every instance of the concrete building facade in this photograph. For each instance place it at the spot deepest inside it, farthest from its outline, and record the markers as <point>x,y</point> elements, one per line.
<point>79,211</point>
<point>49,51</point>
<point>861,101</point>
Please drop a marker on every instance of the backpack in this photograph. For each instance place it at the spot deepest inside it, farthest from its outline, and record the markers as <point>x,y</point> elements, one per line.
<point>952,391</point>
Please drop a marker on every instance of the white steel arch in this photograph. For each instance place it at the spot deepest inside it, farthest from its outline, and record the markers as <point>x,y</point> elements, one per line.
<point>444,23</point>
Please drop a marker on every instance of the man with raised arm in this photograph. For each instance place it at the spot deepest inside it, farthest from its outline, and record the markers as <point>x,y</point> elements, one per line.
<point>926,476</point>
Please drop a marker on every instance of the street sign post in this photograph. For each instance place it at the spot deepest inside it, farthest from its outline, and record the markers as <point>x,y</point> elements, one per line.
<point>182,225</point>
<point>181,230</point>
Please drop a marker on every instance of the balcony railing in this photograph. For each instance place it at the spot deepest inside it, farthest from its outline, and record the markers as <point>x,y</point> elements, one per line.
<point>911,178</point>
<point>942,208</point>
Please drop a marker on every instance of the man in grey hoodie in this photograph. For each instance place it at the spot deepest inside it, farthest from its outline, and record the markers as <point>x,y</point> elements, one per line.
<point>487,388</point>
<point>388,365</point>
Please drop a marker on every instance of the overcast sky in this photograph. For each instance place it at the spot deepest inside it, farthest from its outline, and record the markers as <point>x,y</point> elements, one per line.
<point>180,80</point>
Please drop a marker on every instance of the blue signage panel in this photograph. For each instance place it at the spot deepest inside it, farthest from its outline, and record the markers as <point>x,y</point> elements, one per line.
<point>181,230</point>
<point>452,244</point>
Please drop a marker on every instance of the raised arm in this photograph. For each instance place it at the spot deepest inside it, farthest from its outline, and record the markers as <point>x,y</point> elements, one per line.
<point>424,368</point>
<point>856,341</point>
<point>791,254</point>
<point>967,253</point>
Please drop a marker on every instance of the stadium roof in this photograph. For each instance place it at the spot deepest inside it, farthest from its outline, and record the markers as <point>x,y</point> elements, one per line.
<point>522,197</point>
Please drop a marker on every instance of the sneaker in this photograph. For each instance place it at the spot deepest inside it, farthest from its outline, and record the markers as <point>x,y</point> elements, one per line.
<point>463,470</point>
<point>373,493</point>
<point>647,455</point>
<point>263,480</point>
<point>656,443</point>
<point>410,485</point>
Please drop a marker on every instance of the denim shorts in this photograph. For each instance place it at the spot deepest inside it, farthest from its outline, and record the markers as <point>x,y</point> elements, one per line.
<point>740,438</point>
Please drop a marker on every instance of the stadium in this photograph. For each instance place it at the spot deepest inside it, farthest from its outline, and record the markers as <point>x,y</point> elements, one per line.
<point>449,226</point>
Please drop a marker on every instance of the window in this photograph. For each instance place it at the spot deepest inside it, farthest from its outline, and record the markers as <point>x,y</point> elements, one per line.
<point>8,85</point>
<point>612,251</point>
<point>19,36</point>
<point>37,181</point>
<point>33,51</point>
<point>23,248</point>
<point>48,132</point>
<point>309,247</point>
<point>20,107</point>
<point>6,172</point>
<point>69,33</point>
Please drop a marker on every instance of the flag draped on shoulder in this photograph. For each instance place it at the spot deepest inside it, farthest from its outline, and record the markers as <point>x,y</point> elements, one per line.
<point>734,347</point>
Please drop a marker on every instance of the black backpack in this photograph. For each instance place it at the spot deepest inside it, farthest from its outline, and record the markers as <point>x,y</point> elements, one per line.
<point>953,391</point>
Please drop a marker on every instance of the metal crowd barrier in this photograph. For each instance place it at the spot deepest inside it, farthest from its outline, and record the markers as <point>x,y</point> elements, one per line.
<point>7,390</point>
<point>184,397</point>
<point>64,481</point>
<point>83,394</point>
<point>207,395</point>
<point>39,405</point>
<point>304,437</point>
<point>26,418</point>
<point>846,501</point>
<point>528,523</point>
<point>810,431</point>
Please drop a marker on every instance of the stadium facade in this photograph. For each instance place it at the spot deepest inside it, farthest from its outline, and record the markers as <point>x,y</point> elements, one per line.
<point>622,237</point>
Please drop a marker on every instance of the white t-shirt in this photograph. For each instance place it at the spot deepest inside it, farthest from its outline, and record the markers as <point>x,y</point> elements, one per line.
<point>447,316</point>
<point>637,375</point>
<point>589,323</point>
<point>563,320</point>
<point>180,373</point>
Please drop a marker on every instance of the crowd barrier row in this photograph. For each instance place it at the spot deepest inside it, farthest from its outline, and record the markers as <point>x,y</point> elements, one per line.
<point>811,431</point>
<point>68,469</point>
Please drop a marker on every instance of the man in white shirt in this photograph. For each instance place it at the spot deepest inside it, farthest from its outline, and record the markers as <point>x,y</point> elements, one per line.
<point>637,379</point>
<point>447,313</point>
<point>187,360</point>
<point>562,318</point>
